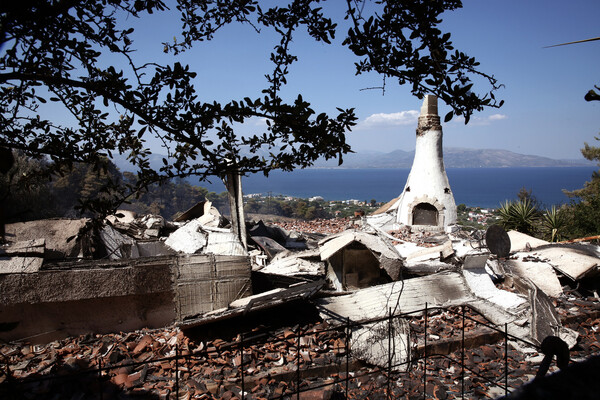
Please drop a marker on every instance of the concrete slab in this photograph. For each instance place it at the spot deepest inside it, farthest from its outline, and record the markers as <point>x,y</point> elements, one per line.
<point>542,274</point>
<point>60,235</point>
<point>522,242</point>
<point>573,260</point>
<point>22,257</point>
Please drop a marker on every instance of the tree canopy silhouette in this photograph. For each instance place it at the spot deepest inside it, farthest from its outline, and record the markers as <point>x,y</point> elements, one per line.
<point>79,56</point>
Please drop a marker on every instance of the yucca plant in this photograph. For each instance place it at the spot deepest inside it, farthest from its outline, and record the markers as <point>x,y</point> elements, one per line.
<point>504,213</point>
<point>520,216</point>
<point>553,224</point>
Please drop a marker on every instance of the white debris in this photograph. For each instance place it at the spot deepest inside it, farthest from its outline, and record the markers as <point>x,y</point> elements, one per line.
<point>190,238</point>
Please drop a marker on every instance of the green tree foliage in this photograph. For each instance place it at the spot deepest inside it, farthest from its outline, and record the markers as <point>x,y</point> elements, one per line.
<point>592,94</point>
<point>525,215</point>
<point>24,193</point>
<point>294,208</point>
<point>77,58</point>
<point>582,216</point>
<point>525,194</point>
<point>81,186</point>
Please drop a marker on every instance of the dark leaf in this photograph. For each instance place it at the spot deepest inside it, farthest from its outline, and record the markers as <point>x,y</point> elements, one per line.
<point>449,116</point>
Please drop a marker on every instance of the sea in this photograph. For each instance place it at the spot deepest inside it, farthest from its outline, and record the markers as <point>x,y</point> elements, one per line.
<point>474,187</point>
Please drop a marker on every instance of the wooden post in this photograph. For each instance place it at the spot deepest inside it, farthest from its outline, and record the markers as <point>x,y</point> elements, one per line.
<point>233,183</point>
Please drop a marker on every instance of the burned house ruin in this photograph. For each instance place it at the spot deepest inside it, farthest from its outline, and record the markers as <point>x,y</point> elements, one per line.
<point>385,290</point>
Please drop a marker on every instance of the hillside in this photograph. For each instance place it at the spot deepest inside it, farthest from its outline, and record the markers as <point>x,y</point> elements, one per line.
<point>454,157</point>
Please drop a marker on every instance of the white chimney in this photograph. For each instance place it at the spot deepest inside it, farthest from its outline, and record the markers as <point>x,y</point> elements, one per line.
<point>427,201</point>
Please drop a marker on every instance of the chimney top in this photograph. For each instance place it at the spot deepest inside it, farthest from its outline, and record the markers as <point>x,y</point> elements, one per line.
<point>429,106</point>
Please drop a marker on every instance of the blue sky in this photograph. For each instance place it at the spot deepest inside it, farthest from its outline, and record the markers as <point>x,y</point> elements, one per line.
<point>544,112</point>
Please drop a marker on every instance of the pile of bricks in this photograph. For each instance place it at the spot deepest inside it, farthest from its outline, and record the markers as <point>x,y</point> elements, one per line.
<point>143,363</point>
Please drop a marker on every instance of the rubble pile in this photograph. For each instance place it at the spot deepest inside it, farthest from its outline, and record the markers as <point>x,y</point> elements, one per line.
<point>345,270</point>
<point>142,363</point>
<point>420,238</point>
<point>144,227</point>
<point>374,276</point>
<point>487,360</point>
<point>577,308</point>
<point>324,226</point>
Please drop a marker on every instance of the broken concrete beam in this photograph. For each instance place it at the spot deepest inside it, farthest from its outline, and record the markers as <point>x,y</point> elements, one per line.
<point>438,290</point>
<point>482,286</point>
<point>414,254</point>
<point>34,247</point>
<point>261,301</point>
<point>293,266</point>
<point>19,264</point>
<point>444,346</point>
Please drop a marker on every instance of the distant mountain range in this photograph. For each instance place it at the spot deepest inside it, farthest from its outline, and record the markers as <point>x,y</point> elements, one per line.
<point>454,157</point>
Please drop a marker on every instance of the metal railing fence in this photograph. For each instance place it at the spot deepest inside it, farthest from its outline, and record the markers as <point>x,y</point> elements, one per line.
<point>241,355</point>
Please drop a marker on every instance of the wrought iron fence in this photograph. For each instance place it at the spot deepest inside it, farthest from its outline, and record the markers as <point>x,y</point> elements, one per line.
<point>240,358</point>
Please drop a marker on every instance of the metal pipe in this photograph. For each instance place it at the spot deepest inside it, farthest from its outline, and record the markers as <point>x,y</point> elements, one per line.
<point>505,358</point>
<point>389,394</point>
<point>425,354</point>
<point>100,377</point>
<point>242,364</point>
<point>177,371</point>
<point>298,364</point>
<point>347,354</point>
<point>462,355</point>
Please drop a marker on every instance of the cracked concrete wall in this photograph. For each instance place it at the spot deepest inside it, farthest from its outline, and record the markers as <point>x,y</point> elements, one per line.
<point>89,280</point>
<point>109,296</point>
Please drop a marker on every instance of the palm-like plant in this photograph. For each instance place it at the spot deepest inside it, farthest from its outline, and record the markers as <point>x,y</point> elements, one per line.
<point>553,224</point>
<point>520,216</point>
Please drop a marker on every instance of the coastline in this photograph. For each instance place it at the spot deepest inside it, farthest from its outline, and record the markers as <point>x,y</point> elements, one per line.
<point>476,187</point>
